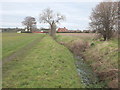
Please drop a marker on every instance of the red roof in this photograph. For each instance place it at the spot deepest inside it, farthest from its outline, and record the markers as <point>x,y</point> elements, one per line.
<point>62,29</point>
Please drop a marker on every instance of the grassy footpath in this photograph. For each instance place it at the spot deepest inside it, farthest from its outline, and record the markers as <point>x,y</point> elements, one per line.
<point>13,42</point>
<point>47,64</point>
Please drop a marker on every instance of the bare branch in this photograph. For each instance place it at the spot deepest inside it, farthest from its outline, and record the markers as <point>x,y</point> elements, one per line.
<point>47,16</point>
<point>29,22</point>
<point>104,18</point>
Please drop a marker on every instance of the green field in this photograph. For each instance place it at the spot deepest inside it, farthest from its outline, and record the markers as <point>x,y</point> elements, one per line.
<point>46,64</point>
<point>38,61</point>
<point>12,42</point>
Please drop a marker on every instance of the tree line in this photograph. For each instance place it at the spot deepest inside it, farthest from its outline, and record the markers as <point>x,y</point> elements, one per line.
<point>47,16</point>
<point>104,19</point>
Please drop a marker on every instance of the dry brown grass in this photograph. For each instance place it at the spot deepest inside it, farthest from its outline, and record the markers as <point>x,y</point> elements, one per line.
<point>78,46</point>
<point>81,35</point>
<point>104,60</point>
<point>100,55</point>
<point>76,42</point>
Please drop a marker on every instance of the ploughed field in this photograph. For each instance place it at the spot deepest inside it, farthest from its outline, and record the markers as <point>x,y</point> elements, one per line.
<point>37,61</point>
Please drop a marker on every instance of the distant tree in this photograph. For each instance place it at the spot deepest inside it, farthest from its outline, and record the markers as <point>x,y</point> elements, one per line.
<point>30,23</point>
<point>104,19</point>
<point>47,16</point>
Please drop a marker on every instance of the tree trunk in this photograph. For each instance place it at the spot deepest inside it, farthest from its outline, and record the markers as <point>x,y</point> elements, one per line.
<point>105,38</point>
<point>30,29</point>
<point>50,31</point>
<point>27,28</point>
<point>53,30</point>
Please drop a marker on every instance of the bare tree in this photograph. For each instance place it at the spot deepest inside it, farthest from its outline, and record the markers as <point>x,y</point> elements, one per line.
<point>104,19</point>
<point>47,16</point>
<point>29,22</point>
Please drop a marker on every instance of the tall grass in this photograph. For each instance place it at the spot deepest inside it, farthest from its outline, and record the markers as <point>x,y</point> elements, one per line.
<point>102,56</point>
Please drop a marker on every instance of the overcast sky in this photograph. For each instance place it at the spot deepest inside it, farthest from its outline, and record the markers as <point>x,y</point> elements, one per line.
<point>77,12</point>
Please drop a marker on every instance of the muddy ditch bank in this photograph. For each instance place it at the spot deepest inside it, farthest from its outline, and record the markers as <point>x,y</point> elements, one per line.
<point>85,71</point>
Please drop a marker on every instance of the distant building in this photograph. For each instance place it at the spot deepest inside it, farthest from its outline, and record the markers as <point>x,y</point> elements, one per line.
<point>65,30</point>
<point>62,30</point>
<point>42,30</point>
<point>18,31</point>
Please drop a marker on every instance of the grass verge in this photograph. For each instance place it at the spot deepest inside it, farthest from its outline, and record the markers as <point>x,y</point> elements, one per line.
<point>47,65</point>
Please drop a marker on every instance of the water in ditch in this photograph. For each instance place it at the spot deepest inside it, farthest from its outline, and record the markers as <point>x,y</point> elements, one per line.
<point>85,72</point>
